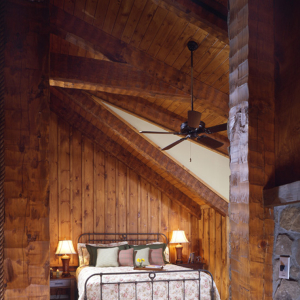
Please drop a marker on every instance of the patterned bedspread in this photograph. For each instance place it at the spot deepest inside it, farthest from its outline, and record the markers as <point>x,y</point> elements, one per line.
<point>127,291</point>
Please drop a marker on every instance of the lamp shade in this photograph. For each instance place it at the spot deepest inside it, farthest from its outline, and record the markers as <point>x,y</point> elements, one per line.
<point>178,237</point>
<point>65,247</point>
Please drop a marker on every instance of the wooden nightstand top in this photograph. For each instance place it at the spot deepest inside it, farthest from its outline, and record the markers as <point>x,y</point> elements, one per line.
<point>194,266</point>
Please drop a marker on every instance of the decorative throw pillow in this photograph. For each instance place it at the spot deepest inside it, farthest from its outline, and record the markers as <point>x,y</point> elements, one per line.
<point>142,254</point>
<point>166,252</point>
<point>93,252</point>
<point>107,257</point>
<point>151,246</point>
<point>156,257</point>
<point>126,257</point>
<point>83,255</point>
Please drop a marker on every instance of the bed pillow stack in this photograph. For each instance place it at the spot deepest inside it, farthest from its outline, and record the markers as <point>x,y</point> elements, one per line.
<point>153,256</point>
<point>93,251</point>
<point>84,256</point>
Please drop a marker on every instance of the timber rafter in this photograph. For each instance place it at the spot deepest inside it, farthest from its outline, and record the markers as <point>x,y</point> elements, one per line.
<point>71,28</point>
<point>153,113</point>
<point>117,78</point>
<point>177,175</point>
<point>92,131</point>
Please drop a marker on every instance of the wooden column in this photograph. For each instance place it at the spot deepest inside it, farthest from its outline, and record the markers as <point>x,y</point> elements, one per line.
<point>251,126</point>
<point>26,186</point>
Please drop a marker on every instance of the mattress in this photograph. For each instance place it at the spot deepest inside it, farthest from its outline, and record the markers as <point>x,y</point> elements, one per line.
<point>177,289</point>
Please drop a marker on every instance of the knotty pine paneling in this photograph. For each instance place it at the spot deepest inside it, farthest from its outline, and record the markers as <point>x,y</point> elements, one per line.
<point>213,247</point>
<point>90,190</point>
<point>99,193</point>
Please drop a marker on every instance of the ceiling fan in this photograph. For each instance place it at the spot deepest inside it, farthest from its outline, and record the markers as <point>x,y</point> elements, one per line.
<point>194,128</point>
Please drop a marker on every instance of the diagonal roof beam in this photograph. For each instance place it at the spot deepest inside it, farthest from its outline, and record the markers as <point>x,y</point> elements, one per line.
<point>201,15</point>
<point>67,112</point>
<point>86,104</point>
<point>71,28</point>
<point>154,114</point>
<point>91,74</point>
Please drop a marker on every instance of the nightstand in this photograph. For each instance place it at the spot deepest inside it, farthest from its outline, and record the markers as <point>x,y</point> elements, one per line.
<point>194,266</point>
<point>63,288</point>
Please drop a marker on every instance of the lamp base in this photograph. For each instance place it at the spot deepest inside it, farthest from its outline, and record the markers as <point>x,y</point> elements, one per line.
<point>65,260</point>
<point>178,248</point>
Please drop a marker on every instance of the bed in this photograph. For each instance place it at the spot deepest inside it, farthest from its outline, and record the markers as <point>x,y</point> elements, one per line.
<point>99,278</point>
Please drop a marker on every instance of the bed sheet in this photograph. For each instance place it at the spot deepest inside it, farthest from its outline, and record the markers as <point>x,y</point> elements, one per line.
<point>127,291</point>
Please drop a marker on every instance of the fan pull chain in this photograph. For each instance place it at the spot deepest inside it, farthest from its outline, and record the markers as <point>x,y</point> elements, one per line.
<point>190,151</point>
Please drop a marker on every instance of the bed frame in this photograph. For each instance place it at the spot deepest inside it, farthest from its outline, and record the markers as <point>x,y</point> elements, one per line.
<point>135,238</point>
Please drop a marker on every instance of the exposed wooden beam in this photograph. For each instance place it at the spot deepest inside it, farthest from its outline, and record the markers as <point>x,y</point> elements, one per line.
<point>86,105</point>
<point>154,114</point>
<point>282,195</point>
<point>200,15</point>
<point>91,130</point>
<point>91,74</point>
<point>68,26</point>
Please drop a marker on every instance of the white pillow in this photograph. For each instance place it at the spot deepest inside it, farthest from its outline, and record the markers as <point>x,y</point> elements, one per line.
<point>107,257</point>
<point>84,256</point>
<point>142,254</point>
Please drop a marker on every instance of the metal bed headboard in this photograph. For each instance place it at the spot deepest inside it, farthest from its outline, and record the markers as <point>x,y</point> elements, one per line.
<point>92,237</point>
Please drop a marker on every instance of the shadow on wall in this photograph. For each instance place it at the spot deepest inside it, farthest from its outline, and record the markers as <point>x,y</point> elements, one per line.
<point>287,242</point>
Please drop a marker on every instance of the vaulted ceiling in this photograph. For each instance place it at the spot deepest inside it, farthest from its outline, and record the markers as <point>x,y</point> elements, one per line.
<point>133,55</point>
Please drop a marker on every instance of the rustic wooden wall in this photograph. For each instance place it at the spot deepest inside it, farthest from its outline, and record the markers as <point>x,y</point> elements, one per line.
<point>90,190</point>
<point>26,137</point>
<point>287,127</point>
<point>214,248</point>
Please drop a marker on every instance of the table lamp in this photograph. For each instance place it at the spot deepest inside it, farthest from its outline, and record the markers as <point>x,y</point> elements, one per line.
<point>178,237</point>
<point>64,248</point>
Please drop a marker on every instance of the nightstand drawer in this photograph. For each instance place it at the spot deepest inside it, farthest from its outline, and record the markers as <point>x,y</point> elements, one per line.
<point>60,283</point>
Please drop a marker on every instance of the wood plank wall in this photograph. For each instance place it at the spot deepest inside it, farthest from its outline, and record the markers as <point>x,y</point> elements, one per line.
<point>287,91</point>
<point>90,190</point>
<point>213,247</point>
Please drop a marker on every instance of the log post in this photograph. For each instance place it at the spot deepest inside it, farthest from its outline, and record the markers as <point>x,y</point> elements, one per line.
<point>26,137</point>
<point>251,135</point>
<point>2,166</point>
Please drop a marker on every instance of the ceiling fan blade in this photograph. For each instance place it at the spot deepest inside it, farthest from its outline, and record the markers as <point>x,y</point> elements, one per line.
<point>175,143</point>
<point>209,142</point>
<point>161,132</point>
<point>217,128</point>
<point>194,118</point>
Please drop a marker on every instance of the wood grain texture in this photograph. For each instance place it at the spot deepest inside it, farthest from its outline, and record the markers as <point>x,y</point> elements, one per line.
<point>27,115</point>
<point>213,248</point>
<point>198,15</point>
<point>130,160</point>
<point>138,206</point>
<point>282,195</point>
<point>252,147</point>
<point>116,50</point>
<point>287,87</point>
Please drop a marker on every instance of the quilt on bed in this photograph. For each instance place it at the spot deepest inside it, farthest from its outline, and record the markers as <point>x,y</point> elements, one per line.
<point>127,291</point>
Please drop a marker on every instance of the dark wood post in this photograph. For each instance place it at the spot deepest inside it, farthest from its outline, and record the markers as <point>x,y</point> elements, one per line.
<point>2,167</point>
<point>251,123</point>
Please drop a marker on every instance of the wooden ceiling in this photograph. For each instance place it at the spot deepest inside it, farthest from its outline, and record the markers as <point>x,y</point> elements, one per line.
<point>133,54</point>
